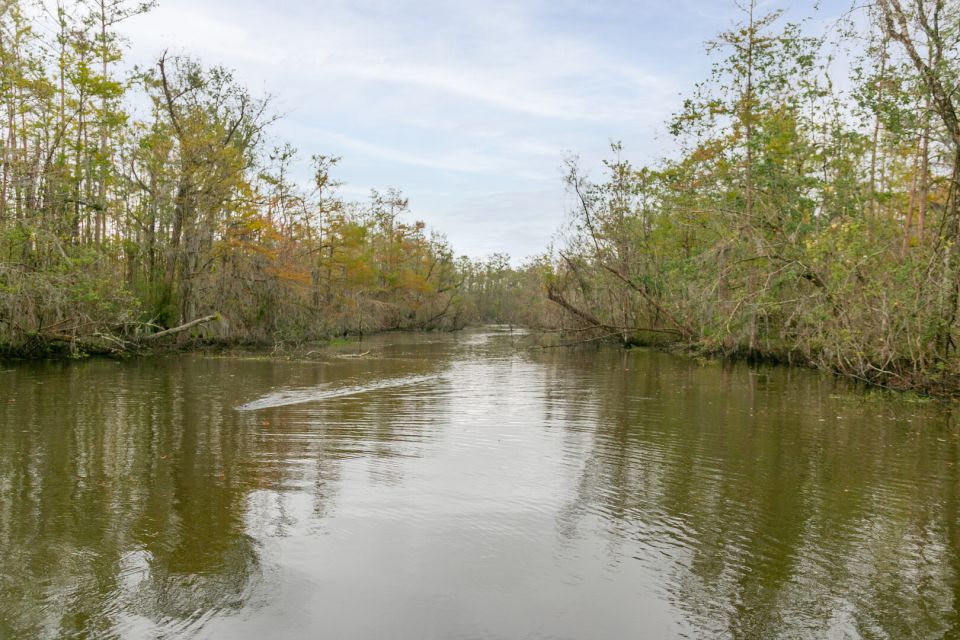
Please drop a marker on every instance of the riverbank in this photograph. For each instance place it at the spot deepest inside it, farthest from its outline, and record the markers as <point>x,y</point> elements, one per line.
<point>66,348</point>
<point>945,385</point>
<point>180,340</point>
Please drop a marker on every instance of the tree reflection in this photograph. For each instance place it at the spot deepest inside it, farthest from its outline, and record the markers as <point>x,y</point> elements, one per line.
<point>786,507</point>
<point>132,495</point>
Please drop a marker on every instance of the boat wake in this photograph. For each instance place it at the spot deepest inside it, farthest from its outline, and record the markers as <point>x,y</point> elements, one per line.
<point>314,394</point>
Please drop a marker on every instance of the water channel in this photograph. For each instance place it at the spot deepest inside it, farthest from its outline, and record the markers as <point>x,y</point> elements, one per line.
<point>465,486</point>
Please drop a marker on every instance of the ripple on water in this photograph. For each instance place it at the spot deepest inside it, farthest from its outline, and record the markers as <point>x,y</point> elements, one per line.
<point>454,487</point>
<point>287,397</point>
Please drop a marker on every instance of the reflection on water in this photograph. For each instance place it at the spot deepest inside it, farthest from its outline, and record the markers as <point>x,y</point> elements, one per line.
<point>452,486</point>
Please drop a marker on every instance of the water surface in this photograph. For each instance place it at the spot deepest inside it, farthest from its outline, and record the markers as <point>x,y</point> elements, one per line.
<point>454,486</point>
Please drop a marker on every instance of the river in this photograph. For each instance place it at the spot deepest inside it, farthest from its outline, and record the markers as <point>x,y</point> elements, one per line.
<point>464,486</point>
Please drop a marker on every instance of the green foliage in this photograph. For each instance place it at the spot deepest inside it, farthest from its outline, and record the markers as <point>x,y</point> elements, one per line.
<point>786,229</point>
<point>116,226</point>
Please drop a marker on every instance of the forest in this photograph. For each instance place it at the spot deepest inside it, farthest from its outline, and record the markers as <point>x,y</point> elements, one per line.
<point>114,229</point>
<point>809,217</point>
<point>809,214</point>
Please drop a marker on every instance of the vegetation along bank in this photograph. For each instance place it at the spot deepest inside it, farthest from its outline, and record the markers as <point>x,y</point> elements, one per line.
<point>810,212</point>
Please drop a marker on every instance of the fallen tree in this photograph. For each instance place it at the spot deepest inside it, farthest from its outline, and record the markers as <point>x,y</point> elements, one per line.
<point>129,339</point>
<point>186,326</point>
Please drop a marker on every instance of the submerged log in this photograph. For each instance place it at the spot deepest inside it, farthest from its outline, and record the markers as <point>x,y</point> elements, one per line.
<point>352,355</point>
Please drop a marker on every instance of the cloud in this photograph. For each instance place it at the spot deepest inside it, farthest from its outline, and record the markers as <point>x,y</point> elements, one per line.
<point>504,63</point>
<point>465,105</point>
<point>520,223</point>
<point>463,160</point>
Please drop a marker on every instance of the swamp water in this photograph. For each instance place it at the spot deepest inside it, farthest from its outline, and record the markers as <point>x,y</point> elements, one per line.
<point>453,486</point>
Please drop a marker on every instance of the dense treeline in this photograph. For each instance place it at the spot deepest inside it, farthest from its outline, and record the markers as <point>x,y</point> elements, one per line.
<point>800,221</point>
<point>803,219</point>
<point>114,227</point>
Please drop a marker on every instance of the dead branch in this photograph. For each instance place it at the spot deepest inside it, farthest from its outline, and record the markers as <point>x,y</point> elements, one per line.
<point>184,327</point>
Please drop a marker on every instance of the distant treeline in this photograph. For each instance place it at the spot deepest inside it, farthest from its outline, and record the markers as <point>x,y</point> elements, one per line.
<point>800,222</point>
<point>114,228</point>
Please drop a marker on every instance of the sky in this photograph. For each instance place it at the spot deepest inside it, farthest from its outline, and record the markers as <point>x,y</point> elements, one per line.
<point>469,107</point>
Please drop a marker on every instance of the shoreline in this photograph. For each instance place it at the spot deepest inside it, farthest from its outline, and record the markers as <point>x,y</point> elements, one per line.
<point>65,351</point>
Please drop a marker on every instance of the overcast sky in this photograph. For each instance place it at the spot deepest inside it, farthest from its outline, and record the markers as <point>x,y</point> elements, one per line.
<point>469,107</point>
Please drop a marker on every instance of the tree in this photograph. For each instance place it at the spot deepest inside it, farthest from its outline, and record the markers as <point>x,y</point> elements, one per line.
<point>931,26</point>
<point>216,125</point>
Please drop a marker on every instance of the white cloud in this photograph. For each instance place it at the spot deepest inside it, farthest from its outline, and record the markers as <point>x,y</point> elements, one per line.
<point>505,64</point>
<point>463,160</point>
<point>465,105</point>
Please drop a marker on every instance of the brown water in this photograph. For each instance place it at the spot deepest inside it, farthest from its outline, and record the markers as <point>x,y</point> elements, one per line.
<point>454,487</point>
